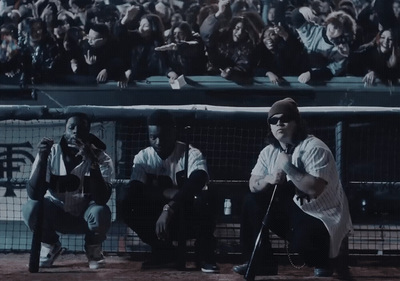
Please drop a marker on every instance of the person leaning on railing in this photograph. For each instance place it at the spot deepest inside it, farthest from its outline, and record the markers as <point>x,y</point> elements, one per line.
<point>328,46</point>
<point>230,51</point>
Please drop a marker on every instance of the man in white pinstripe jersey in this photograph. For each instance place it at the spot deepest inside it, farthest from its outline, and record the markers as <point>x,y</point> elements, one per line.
<point>310,209</point>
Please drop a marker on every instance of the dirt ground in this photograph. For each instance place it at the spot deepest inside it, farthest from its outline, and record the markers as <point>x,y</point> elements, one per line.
<point>74,267</point>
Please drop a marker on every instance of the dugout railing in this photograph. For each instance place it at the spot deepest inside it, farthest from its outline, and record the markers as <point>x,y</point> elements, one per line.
<point>207,90</point>
<point>364,141</point>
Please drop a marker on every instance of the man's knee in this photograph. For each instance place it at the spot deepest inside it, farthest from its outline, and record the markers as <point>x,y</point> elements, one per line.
<point>29,213</point>
<point>98,218</point>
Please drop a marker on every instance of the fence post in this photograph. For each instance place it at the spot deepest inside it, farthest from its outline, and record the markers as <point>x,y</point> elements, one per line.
<point>341,130</point>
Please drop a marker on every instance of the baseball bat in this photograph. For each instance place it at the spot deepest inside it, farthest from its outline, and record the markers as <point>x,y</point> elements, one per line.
<point>34,257</point>
<point>251,267</point>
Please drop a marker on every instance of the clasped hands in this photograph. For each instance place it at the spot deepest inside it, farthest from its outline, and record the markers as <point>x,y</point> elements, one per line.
<point>279,175</point>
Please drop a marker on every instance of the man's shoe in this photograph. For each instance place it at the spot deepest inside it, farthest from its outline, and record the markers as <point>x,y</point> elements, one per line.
<point>240,269</point>
<point>49,253</point>
<point>95,256</point>
<point>266,270</point>
<point>323,272</point>
<point>209,267</point>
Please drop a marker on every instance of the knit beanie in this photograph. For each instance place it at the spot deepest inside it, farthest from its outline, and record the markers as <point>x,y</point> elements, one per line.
<point>286,107</point>
<point>162,118</point>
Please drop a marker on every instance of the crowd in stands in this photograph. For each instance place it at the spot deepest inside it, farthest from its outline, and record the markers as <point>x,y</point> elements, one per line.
<point>129,40</point>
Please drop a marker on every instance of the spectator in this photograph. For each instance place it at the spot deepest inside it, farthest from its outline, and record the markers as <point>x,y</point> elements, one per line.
<point>9,50</point>
<point>396,9</point>
<point>327,46</point>
<point>230,51</point>
<point>62,6</point>
<point>159,191</point>
<point>175,18</point>
<point>367,22</point>
<point>79,10</point>
<point>110,16</point>
<point>144,60</point>
<point>14,16</point>
<point>381,60</point>
<point>309,207</point>
<point>77,174</point>
<point>63,23</point>
<point>164,11</point>
<point>101,54</point>
<point>49,16</point>
<point>349,7</point>
<point>185,52</point>
<point>279,54</point>
<point>386,17</point>
<point>256,21</point>
<point>240,6</point>
<point>72,60</point>
<point>275,12</point>
<point>268,10</point>
<point>202,14</point>
<point>322,9</point>
<point>39,53</point>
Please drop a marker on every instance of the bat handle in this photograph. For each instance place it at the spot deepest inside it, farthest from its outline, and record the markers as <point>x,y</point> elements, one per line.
<point>34,257</point>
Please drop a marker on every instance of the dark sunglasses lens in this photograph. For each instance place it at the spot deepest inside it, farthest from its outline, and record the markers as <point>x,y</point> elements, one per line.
<point>273,120</point>
<point>284,119</point>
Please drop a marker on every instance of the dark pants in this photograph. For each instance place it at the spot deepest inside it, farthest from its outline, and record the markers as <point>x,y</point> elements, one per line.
<point>198,223</point>
<point>306,235</point>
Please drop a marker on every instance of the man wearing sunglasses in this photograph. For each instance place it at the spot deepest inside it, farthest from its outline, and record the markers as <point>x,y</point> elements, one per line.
<point>296,176</point>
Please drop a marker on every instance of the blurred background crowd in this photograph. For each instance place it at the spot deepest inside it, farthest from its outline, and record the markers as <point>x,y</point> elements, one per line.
<point>123,41</point>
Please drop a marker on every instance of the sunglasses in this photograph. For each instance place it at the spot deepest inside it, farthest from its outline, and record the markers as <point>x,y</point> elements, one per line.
<point>342,39</point>
<point>283,119</point>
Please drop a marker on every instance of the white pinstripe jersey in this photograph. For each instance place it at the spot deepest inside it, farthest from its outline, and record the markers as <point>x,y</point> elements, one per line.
<point>147,161</point>
<point>315,158</point>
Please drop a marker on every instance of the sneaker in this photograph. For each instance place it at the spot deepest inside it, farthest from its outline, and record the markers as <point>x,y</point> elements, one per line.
<point>209,267</point>
<point>49,253</point>
<point>95,256</point>
<point>261,271</point>
<point>323,272</point>
<point>240,269</point>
